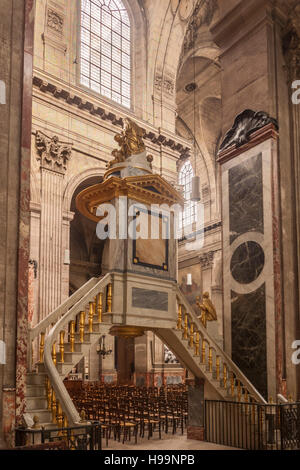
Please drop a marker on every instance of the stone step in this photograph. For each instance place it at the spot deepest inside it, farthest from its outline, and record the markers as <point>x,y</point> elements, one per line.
<point>33,403</point>
<point>77,347</point>
<point>41,368</point>
<point>72,357</point>
<point>35,391</point>
<point>64,368</point>
<point>32,378</point>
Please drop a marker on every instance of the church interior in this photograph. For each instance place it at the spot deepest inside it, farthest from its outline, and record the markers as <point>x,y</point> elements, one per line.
<point>150,223</point>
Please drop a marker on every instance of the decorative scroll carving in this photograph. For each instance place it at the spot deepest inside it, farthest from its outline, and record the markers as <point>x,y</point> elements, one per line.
<point>206,260</point>
<point>244,125</point>
<point>203,15</point>
<point>53,155</point>
<point>55,21</point>
<point>130,141</point>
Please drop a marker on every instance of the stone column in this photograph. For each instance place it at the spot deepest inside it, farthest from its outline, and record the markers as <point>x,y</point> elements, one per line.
<point>251,251</point>
<point>291,50</point>
<point>67,218</point>
<point>253,77</point>
<point>53,156</point>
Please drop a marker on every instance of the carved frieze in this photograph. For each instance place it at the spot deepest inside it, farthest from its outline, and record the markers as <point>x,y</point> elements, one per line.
<point>55,21</point>
<point>52,154</point>
<point>166,85</point>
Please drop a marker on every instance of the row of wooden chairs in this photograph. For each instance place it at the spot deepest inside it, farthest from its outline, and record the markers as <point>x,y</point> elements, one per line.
<point>132,411</point>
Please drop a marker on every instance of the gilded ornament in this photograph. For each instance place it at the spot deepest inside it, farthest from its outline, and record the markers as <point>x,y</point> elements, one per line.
<point>208,311</point>
<point>130,141</point>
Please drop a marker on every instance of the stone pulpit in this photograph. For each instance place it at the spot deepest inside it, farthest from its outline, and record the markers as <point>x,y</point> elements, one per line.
<point>135,211</point>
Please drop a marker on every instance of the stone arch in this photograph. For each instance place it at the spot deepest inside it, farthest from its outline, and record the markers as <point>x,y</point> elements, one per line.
<point>76,181</point>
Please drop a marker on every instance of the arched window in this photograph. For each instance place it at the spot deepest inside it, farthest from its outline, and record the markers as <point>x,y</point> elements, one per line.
<point>105,64</point>
<point>185,179</point>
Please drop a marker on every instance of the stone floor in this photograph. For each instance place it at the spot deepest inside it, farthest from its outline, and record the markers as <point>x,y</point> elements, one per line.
<point>168,442</point>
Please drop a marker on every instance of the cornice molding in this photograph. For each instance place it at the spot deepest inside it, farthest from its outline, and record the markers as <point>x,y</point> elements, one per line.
<point>100,112</point>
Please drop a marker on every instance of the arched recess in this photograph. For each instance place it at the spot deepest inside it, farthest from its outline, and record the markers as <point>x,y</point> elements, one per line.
<point>198,100</point>
<point>185,24</point>
<point>85,247</point>
<point>74,182</point>
<point>75,185</point>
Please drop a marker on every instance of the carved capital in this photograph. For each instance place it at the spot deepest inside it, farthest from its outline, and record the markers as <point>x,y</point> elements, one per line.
<point>206,260</point>
<point>52,154</point>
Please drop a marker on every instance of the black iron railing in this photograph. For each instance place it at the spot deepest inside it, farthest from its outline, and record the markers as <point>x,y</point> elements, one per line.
<point>253,426</point>
<point>83,437</point>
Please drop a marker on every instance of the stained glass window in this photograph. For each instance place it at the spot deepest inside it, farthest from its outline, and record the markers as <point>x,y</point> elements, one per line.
<point>105,61</point>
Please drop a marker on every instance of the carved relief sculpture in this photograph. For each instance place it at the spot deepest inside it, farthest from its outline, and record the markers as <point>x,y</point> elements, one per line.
<point>206,260</point>
<point>55,21</point>
<point>53,155</point>
<point>130,141</point>
<point>208,311</point>
<point>291,44</point>
<point>203,15</point>
<point>244,125</point>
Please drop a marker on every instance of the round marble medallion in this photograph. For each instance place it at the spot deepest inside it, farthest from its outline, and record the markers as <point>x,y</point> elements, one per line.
<point>247,262</point>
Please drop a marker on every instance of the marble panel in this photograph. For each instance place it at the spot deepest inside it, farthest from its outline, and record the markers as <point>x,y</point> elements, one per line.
<point>249,341</point>
<point>144,298</point>
<point>196,404</point>
<point>246,197</point>
<point>152,249</point>
<point>247,262</point>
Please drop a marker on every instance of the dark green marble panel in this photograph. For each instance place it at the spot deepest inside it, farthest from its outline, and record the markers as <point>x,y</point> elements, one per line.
<point>246,198</point>
<point>248,331</point>
<point>153,299</point>
<point>247,262</point>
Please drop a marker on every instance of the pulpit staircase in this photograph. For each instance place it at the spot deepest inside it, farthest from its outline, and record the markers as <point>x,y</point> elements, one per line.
<point>67,334</point>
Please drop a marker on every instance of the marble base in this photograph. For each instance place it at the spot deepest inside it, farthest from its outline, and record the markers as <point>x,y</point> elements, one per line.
<point>196,432</point>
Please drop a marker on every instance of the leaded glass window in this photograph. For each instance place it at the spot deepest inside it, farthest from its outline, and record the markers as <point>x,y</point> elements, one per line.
<point>188,215</point>
<point>105,59</point>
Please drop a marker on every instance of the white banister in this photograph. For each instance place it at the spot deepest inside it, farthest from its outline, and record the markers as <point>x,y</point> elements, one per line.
<point>61,392</point>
